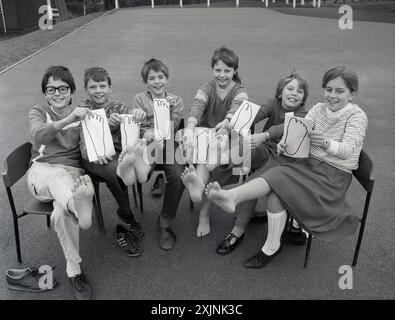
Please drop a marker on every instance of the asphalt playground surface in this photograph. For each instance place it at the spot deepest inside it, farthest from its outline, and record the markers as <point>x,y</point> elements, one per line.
<point>269,44</point>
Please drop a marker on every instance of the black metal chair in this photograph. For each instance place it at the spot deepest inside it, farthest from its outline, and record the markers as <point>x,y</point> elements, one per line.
<point>364,176</point>
<point>16,165</point>
<point>96,180</point>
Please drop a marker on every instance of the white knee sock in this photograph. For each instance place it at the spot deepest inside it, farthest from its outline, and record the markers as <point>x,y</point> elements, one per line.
<point>276,224</point>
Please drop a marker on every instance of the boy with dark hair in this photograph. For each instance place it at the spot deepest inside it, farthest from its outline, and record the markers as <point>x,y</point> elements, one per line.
<point>97,84</point>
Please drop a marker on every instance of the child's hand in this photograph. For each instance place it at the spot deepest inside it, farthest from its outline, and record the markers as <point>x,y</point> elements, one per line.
<point>101,160</point>
<point>224,124</point>
<point>78,114</point>
<point>256,140</point>
<point>281,147</point>
<point>171,100</point>
<point>138,115</point>
<point>317,138</point>
<point>115,120</point>
<point>188,137</point>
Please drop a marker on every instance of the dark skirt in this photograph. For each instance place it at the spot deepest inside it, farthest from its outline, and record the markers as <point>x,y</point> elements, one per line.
<point>314,193</point>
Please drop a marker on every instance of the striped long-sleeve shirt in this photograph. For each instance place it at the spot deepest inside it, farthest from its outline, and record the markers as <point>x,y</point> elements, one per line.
<point>346,127</point>
<point>209,109</point>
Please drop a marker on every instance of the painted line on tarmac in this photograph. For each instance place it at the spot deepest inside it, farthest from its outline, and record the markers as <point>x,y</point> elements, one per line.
<point>55,42</point>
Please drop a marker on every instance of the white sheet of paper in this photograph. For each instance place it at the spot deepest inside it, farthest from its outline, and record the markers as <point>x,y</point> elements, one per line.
<point>244,116</point>
<point>162,119</point>
<point>130,131</point>
<point>97,135</point>
<point>203,137</point>
<point>296,136</point>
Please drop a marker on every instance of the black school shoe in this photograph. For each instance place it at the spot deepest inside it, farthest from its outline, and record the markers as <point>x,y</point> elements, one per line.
<point>126,242</point>
<point>28,279</point>
<point>294,237</point>
<point>260,259</point>
<point>81,289</point>
<point>167,238</point>
<point>227,246</point>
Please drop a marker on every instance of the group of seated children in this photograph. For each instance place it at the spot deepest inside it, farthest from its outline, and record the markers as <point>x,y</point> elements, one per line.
<point>312,190</point>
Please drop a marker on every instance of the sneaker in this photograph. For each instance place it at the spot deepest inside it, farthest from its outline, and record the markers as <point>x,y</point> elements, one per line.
<point>136,231</point>
<point>159,186</point>
<point>81,289</point>
<point>127,242</point>
<point>28,279</point>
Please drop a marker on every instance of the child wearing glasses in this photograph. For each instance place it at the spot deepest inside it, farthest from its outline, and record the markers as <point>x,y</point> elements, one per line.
<point>56,173</point>
<point>97,83</point>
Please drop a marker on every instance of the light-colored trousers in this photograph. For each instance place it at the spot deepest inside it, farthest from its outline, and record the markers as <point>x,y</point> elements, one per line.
<point>49,182</point>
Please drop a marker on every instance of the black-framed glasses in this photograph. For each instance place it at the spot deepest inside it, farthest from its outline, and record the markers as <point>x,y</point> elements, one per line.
<point>52,90</point>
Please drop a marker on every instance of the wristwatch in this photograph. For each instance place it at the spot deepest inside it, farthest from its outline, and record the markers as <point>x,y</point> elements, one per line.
<point>267,135</point>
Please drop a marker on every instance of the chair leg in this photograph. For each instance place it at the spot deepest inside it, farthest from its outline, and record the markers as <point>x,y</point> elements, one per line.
<point>17,242</point>
<point>48,221</point>
<point>140,191</point>
<point>307,256</point>
<point>134,195</point>
<point>16,227</point>
<point>98,211</point>
<point>361,229</point>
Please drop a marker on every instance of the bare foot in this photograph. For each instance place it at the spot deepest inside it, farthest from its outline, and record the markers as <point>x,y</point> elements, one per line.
<point>204,225</point>
<point>141,164</point>
<point>82,195</point>
<point>125,169</point>
<point>222,198</point>
<point>192,182</point>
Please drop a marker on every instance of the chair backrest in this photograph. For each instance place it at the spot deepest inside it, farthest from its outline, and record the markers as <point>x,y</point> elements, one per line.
<point>365,171</point>
<point>16,164</point>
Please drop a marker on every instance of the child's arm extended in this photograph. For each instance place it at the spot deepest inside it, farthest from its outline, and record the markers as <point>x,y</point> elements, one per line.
<point>199,106</point>
<point>354,134</point>
<point>240,95</point>
<point>43,132</point>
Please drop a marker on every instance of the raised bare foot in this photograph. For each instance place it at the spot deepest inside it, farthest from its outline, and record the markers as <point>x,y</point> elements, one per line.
<point>203,228</point>
<point>192,182</point>
<point>82,195</point>
<point>141,164</point>
<point>125,169</point>
<point>222,198</point>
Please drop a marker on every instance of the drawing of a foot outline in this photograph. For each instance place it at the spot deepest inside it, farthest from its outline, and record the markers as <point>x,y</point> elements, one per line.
<point>246,107</point>
<point>201,138</point>
<point>294,122</point>
<point>97,136</point>
<point>128,125</point>
<point>156,118</point>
